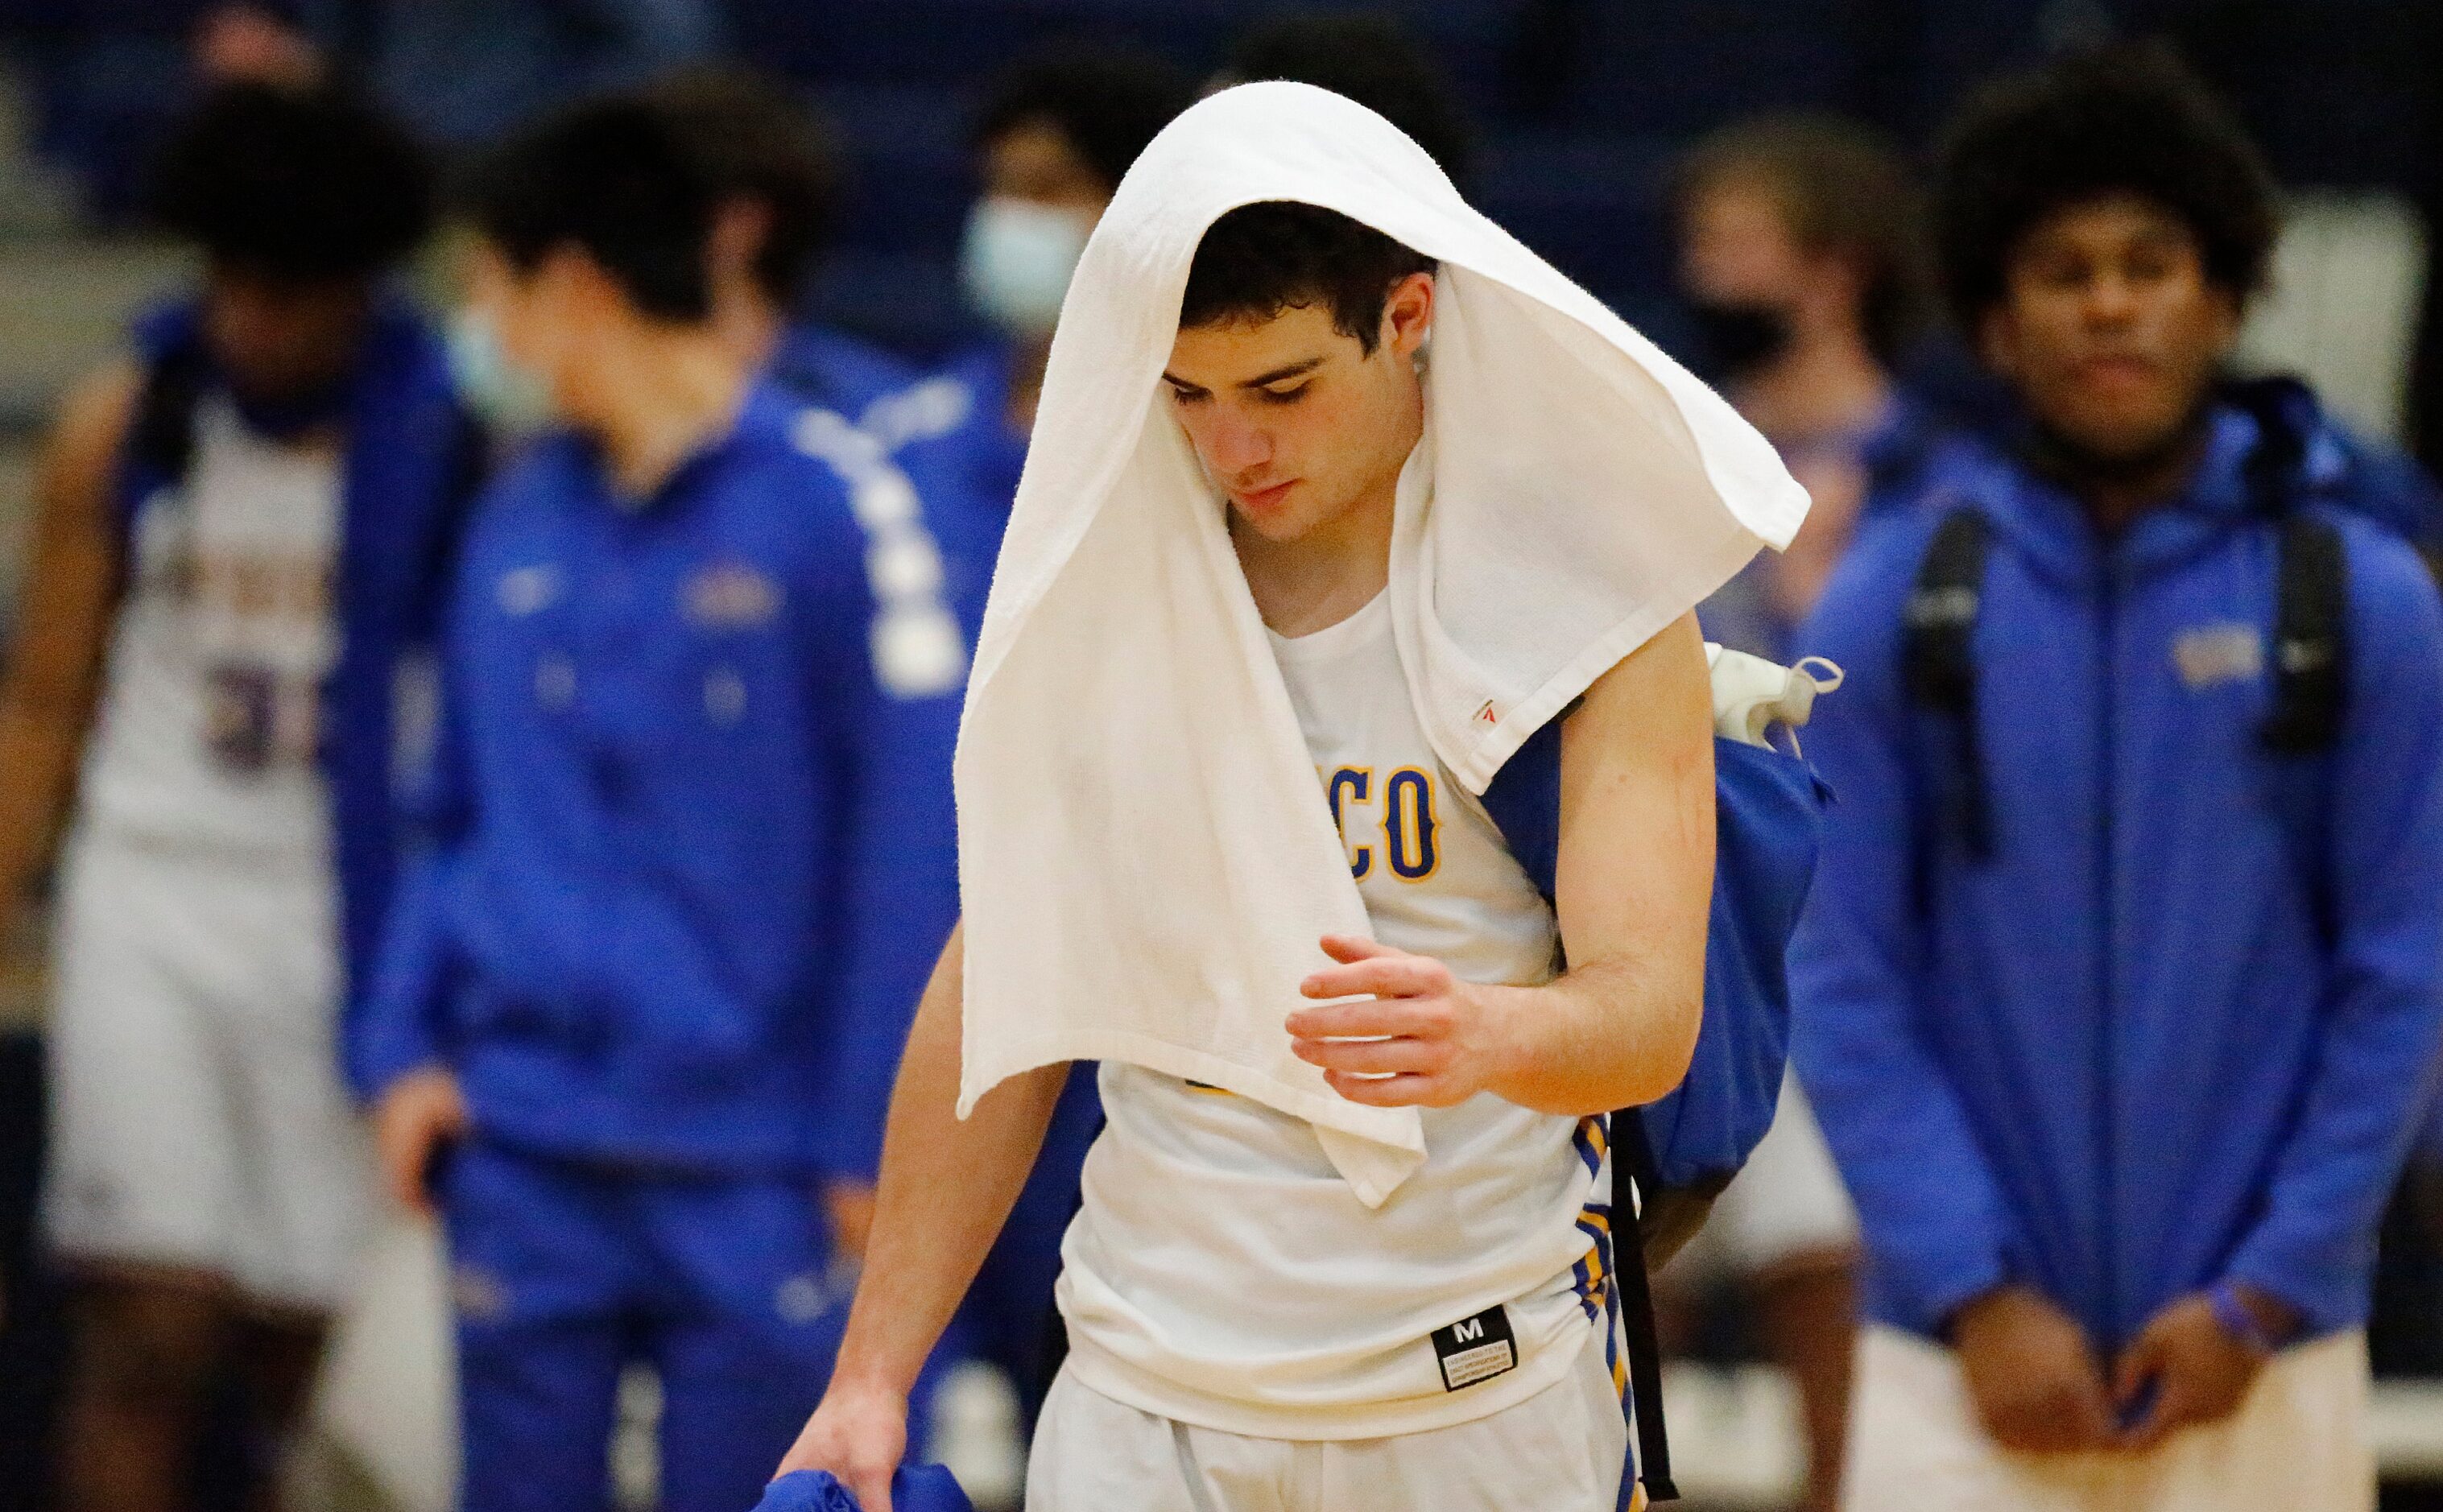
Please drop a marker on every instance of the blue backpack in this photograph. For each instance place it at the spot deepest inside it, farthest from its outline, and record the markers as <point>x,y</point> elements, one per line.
<point>1680,1151</point>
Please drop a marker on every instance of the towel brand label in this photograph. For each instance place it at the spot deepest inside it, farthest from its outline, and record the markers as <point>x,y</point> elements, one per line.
<point>1475,1349</point>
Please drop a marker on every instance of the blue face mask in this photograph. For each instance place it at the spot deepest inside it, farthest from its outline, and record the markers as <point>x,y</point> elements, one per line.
<point>509,399</point>
<point>1017,259</point>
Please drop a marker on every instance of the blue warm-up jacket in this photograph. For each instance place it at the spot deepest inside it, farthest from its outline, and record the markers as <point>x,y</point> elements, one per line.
<point>2168,1034</point>
<point>669,796</point>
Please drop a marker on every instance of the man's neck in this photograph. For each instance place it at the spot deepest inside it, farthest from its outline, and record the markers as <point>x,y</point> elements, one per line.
<point>1322,578</point>
<point>660,397</point>
<point>1826,386</point>
<point>2116,492</point>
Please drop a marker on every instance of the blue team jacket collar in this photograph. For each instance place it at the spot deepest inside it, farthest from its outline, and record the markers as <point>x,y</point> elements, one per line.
<point>766,414</point>
<point>2052,528</point>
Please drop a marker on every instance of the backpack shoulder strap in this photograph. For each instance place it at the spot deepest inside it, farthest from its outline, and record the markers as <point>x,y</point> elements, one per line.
<point>2311,638</point>
<point>1939,660</point>
<point>1632,1173</point>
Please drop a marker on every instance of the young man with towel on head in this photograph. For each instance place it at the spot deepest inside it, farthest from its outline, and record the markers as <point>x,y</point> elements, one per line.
<point>1271,568</point>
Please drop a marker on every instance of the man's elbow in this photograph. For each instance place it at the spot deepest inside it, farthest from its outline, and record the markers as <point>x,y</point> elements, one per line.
<point>1678,1016</point>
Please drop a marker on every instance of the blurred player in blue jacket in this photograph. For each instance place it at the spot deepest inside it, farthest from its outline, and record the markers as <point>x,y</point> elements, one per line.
<point>605,1036</point>
<point>2119,989</point>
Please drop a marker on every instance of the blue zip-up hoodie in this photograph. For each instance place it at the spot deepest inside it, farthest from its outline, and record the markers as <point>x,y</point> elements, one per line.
<point>2136,1052</point>
<point>413,455</point>
<point>666,748</point>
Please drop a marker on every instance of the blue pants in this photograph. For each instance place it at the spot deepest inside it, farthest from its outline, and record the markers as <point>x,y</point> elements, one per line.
<point>564,1273</point>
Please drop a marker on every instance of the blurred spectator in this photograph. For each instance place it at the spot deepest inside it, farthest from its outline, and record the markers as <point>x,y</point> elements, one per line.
<point>1373,59</point>
<point>248,516</point>
<point>1802,260</point>
<point>613,996</point>
<point>1801,256</point>
<point>1051,143</point>
<point>2118,982</point>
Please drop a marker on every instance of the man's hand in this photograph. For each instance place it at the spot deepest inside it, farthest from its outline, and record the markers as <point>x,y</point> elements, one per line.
<point>1425,1038</point>
<point>850,1206</point>
<point>422,1111</point>
<point>2034,1378</point>
<point>2195,1370</point>
<point>859,1433</point>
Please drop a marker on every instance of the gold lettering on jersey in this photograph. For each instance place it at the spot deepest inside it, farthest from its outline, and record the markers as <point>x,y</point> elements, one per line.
<point>1409,828</point>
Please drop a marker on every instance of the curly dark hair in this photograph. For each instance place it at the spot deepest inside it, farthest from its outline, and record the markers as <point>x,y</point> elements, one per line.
<point>1373,59</point>
<point>1259,260</point>
<point>1108,103</point>
<point>2123,119</point>
<point>759,141</point>
<point>301,186</point>
<point>616,178</point>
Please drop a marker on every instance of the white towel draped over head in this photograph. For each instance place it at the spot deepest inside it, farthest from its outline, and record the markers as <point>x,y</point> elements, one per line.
<point>1144,855</point>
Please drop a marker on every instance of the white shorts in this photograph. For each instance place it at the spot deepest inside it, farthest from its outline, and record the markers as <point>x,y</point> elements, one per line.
<point>1787,1202</point>
<point>1560,1451</point>
<point>2299,1440</point>
<point>198,1115</point>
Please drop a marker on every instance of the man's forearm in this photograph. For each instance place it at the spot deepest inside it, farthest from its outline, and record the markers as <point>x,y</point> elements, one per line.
<point>1610,1035</point>
<point>946,1188</point>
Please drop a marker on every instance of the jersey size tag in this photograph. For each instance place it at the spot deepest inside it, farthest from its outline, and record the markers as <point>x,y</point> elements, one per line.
<point>1475,1349</point>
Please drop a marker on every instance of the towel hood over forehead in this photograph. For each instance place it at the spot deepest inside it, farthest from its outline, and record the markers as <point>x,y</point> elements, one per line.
<point>1145,861</point>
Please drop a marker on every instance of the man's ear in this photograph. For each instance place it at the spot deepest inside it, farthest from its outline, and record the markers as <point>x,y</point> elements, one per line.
<point>740,229</point>
<point>1408,314</point>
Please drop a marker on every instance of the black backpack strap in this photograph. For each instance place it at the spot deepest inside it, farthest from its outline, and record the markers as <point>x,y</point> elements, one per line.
<point>1938,655</point>
<point>1633,1172</point>
<point>2311,638</point>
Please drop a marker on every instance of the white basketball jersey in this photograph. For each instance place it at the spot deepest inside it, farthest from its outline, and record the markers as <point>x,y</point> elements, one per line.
<point>1221,1273</point>
<point>210,718</point>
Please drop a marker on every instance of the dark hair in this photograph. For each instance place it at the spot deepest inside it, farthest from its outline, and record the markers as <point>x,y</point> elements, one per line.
<point>1373,59</point>
<point>1107,103</point>
<point>300,185</point>
<point>614,177</point>
<point>1840,190</point>
<point>756,141</point>
<point>2128,119</point>
<point>1259,260</point>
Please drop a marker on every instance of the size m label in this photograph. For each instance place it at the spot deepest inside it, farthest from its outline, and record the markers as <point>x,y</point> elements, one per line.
<point>1475,1349</point>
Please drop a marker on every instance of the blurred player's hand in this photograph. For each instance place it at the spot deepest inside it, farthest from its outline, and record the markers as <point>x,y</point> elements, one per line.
<point>2190,1365</point>
<point>859,1433</point>
<point>850,1206</point>
<point>421,1112</point>
<point>2033,1373</point>
<point>1422,1038</point>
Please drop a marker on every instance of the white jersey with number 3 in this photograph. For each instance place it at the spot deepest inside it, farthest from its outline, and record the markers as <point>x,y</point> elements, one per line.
<point>1221,1273</point>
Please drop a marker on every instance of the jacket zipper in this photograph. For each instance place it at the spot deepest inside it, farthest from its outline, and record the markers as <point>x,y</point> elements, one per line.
<point>2107,1088</point>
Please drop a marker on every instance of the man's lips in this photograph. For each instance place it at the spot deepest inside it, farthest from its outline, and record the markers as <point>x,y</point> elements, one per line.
<point>1263,497</point>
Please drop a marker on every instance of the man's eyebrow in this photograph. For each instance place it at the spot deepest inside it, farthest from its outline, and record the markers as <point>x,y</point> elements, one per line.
<point>1262,380</point>
<point>1278,374</point>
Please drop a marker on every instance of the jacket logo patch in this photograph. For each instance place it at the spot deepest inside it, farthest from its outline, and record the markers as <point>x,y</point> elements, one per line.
<point>2213,654</point>
<point>730,595</point>
<point>523,590</point>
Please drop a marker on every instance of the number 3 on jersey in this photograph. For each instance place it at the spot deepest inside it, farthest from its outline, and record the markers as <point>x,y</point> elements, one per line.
<point>1406,822</point>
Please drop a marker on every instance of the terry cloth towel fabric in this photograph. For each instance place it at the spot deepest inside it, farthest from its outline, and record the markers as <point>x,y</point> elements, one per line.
<point>1144,864</point>
<point>918,1489</point>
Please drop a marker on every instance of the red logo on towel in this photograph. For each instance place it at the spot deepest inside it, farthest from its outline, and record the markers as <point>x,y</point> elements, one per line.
<point>1485,715</point>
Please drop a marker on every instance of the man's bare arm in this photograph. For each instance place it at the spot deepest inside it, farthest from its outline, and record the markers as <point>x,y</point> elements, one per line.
<point>1634,891</point>
<point>946,1188</point>
<point>55,660</point>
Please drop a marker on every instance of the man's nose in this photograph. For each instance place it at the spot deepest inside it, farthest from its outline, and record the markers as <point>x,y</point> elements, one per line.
<point>1234,445</point>
<point>2111,298</point>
